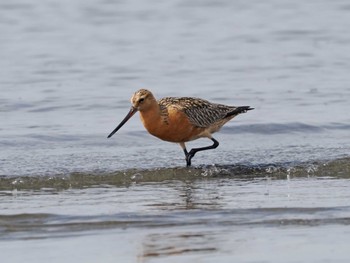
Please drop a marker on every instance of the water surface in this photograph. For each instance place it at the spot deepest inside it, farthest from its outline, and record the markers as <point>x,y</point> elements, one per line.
<point>276,189</point>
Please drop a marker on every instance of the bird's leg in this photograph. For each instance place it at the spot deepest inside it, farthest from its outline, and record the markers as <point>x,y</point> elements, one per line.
<point>188,160</point>
<point>183,146</point>
<point>189,155</point>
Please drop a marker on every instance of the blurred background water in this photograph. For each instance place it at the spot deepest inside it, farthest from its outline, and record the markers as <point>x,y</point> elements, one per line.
<point>278,180</point>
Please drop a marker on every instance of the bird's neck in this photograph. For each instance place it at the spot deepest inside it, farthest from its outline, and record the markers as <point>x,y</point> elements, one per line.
<point>151,117</point>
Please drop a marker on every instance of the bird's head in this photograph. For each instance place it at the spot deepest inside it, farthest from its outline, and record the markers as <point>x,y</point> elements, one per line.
<point>140,101</point>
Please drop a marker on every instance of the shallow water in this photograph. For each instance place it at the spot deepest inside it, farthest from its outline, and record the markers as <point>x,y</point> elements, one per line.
<point>277,183</point>
<point>180,220</point>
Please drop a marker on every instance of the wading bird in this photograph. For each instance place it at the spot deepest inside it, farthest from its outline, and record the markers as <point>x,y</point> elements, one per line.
<point>180,120</point>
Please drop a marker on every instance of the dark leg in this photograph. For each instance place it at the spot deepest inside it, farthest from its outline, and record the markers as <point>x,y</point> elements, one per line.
<point>188,162</point>
<point>189,155</point>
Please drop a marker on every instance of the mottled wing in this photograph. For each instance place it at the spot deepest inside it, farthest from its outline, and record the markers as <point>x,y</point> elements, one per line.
<point>204,114</point>
<point>201,113</point>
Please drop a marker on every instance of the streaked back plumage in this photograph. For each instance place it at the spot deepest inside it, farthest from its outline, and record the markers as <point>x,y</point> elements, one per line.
<point>201,113</point>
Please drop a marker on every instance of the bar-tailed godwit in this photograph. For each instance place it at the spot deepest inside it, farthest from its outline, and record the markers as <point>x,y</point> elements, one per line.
<point>180,120</point>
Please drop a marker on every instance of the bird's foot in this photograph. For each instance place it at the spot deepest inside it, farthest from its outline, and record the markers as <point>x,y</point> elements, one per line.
<point>188,161</point>
<point>189,156</point>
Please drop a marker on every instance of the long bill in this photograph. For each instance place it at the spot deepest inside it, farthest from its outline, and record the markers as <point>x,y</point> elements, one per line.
<point>132,111</point>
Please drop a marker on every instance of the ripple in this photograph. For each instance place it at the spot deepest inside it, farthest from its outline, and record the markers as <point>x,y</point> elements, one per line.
<point>282,128</point>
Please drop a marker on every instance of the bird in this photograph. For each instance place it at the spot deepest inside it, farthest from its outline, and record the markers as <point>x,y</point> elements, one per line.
<point>181,119</point>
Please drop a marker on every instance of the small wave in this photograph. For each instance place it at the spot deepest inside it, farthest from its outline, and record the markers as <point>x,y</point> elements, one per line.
<point>279,128</point>
<point>339,168</point>
<point>42,225</point>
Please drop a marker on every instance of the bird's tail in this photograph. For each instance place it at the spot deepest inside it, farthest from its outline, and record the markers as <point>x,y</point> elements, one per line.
<point>239,110</point>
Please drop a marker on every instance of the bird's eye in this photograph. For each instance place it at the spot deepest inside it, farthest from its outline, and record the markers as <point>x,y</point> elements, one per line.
<point>141,100</point>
